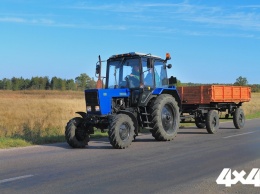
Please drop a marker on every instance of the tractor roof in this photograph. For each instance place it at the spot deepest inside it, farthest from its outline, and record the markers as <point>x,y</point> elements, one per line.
<point>134,54</point>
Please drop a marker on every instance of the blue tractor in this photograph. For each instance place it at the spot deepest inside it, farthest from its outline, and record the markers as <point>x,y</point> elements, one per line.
<point>137,94</point>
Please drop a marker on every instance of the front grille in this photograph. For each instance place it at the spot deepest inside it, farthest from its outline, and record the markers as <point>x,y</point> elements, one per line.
<point>91,98</point>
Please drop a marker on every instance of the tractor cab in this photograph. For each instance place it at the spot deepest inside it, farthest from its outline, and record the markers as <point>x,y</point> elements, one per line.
<point>136,70</point>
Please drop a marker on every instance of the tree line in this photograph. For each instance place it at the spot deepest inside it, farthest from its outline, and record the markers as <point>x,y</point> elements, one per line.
<point>240,81</point>
<point>83,81</point>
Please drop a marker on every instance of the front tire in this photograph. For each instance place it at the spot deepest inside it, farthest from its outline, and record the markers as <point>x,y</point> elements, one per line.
<point>212,122</point>
<point>121,131</point>
<point>239,118</point>
<point>165,118</point>
<point>75,134</point>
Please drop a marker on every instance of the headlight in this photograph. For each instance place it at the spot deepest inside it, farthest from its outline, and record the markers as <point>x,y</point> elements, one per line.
<point>97,108</point>
<point>88,108</point>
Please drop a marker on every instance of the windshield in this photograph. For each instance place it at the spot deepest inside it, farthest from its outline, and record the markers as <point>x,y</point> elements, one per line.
<point>133,73</point>
<point>157,76</point>
<point>124,73</point>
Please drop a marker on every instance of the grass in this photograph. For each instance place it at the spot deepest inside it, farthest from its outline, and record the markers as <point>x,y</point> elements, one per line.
<point>8,142</point>
<point>39,117</point>
<point>252,108</point>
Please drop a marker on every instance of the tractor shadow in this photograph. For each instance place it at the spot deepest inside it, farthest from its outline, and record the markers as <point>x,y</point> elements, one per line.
<point>195,130</point>
<point>192,130</point>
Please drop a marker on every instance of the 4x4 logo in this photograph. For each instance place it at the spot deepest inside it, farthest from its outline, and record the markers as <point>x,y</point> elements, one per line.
<point>226,179</point>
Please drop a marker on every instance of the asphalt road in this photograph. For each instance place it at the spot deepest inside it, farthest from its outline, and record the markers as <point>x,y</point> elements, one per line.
<point>189,164</point>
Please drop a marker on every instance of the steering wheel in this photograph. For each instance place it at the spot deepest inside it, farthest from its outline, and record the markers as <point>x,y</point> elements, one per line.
<point>132,81</point>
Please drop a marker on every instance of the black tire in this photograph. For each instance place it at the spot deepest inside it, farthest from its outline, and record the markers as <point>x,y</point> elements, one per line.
<point>121,131</point>
<point>199,123</point>
<point>239,118</point>
<point>76,136</point>
<point>212,122</point>
<point>165,118</point>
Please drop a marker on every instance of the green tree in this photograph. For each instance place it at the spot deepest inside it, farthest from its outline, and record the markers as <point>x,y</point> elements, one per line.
<point>241,81</point>
<point>39,83</point>
<point>70,85</point>
<point>92,84</point>
<point>15,84</point>
<point>25,84</point>
<point>7,84</point>
<point>82,81</point>
<point>58,83</point>
<point>255,88</point>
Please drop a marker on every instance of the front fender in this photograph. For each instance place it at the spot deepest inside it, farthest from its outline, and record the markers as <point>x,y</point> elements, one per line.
<point>82,114</point>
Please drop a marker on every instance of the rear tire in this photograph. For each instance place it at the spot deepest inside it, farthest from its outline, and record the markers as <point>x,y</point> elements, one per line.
<point>239,118</point>
<point>212,122</point>
<point>121,131</point>
<point>76,136</point>
<point>165,118</point>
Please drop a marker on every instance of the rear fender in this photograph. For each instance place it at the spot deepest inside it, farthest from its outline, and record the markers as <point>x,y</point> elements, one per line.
<point>172,91</point>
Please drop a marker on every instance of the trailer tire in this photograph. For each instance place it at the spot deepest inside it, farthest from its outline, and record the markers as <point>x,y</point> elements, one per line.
<point>239,118</point>
<point>121,131</point>
<point>199,123</point>
<point>212,122</point>
<point>165,118</point>
<point>76,136</point>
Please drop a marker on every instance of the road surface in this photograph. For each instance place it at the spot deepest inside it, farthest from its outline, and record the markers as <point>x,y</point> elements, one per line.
<point>189,164</point>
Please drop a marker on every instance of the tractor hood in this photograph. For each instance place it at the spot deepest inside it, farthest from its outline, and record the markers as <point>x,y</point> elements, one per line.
<point>98,101</point>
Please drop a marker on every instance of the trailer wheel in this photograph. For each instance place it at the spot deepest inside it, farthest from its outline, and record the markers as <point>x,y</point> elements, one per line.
<point>239,118</point>
<point>212,122</point>
<point>121,131</point>
<point>199,123</point>
<point>165,118</point>
<point>76,136</point>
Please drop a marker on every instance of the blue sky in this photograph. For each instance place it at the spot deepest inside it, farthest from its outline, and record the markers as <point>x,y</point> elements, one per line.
<point>210,41</point>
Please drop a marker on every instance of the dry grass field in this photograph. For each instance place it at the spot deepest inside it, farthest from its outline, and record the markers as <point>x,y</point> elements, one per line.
<point>37,113</point>
<point>252,108</point>
<point>31,115</point>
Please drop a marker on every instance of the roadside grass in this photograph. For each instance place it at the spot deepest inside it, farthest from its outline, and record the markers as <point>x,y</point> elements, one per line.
<point>39,117</point>
<point>9,142</point>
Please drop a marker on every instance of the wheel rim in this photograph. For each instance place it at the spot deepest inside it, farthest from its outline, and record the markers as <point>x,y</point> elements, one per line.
<point>167,118</point>
<point>241,119</point>
<point>124,131</point>
<point>214,122</point>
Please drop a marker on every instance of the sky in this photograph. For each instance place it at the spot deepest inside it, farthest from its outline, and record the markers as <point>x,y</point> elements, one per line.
<point>210,41</point>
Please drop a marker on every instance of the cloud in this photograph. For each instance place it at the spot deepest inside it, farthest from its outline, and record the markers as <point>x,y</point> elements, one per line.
<point>27,21</point>
<point>12,20</point>
<point>119,8</point>
<point>169,18</point>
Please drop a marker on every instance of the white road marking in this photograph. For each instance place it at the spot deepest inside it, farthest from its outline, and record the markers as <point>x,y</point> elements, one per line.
<point>239,134</point>
<point>15,178</point>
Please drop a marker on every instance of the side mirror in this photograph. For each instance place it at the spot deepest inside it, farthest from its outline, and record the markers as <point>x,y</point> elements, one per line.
<point>172,80</point>
<point>169,66</point>
<point>149,63</point>
<point>97,69</point>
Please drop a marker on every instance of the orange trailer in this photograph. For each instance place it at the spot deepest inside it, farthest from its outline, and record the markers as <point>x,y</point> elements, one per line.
<point>204,103</point>
<point>214,93</point>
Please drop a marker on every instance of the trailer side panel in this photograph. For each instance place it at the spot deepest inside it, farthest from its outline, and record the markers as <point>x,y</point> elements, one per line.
<point>214,93</point>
